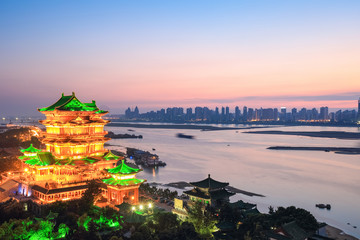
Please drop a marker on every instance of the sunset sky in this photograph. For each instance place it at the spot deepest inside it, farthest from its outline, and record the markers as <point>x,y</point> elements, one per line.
<point>155,54</point>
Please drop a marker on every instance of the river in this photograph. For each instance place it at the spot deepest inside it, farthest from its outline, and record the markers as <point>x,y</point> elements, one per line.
<point>298,178</point>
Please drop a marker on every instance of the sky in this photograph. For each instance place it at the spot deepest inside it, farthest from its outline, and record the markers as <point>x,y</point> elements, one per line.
<point>158,54</point>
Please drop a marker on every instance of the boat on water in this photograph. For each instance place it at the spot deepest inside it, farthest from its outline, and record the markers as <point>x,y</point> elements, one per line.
<point>181,135</point>
<point>321,205</point>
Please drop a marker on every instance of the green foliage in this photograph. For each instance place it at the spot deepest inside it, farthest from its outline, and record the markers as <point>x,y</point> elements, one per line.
<point>91,195</point>
<point>26,229</point>
<point>100,219</point>
<point>227,214</point>
<point>187,231</point>
<point>302,217</point>
<point>271,210</point>
<point>14,137</point>
<point>203,221</point>
<point>157,192</point>
<point>63,230</point>
<point>12,209</point>
<point>254,227</point>
<point>166,220</point>
<point>84,221</point>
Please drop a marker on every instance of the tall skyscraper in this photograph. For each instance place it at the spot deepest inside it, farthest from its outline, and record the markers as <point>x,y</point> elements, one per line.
<point>324,113</point>
<point>227,116</point>
<point>283,114</point>
<point>188,113</point>
<point>245,114</point>
<point>237,114</point>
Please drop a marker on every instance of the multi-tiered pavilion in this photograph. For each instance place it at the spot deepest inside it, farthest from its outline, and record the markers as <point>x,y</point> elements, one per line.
<point>75,154</point>
<point>209,192</point>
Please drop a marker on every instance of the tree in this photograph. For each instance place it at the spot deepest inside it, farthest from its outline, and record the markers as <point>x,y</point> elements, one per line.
<point>302,217</point>
<point>203,221</point>
<point>271,210</point>
<point>91,195</point>
<point>63,230</point>
<point>187,231</point>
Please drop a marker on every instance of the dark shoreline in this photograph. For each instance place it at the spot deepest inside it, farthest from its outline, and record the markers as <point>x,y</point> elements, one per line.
<point>320,134</point>
<point>177,126</point>
<point>339,150</point>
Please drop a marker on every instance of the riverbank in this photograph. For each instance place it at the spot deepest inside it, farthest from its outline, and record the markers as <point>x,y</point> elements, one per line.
<point>338,234</point>
<point>319,134</point>
<point>338,150</point>
<point>177,126</point>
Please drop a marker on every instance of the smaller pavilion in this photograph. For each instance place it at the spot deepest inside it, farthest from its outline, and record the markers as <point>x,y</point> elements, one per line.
<point>29,152</point>
<point>209,191</point>
<point>123,186</point>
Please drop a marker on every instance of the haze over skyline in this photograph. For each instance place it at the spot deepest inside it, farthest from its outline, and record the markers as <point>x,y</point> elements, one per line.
<point>158,54</point>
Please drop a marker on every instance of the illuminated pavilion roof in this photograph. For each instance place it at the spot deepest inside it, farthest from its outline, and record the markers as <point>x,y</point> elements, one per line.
<point>121,176</point>
<point>31,149</point>
<point>111,156</point>
<point>123,182</point>
<point>123,169</point>
<point>42,159</point>
<point>72,103</point>
<point>46,159</point>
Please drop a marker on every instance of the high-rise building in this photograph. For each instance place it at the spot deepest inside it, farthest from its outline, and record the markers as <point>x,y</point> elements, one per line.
<point>283,114</point>
<point>227,114</point>
<point>245,114</point>
<point>276,114</point>
<point>294,114</point>
<point>324,113</point>
<point>267,114</point>
<point>237,114</point>
<point>188,114</point>
<point>250,114</point>
<point>199,113</point>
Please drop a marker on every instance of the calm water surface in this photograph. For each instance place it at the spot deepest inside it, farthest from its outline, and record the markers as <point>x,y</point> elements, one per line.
<point>299,178</point>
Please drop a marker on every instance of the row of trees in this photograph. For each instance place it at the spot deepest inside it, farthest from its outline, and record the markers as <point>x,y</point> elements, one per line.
<point>153,191</point>
<point>76,219</point>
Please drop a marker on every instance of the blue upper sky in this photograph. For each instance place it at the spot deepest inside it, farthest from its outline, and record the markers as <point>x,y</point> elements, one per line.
<point>166,53</point>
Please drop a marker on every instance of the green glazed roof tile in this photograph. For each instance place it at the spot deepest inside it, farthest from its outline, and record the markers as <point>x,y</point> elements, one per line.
<point>71,103</point>
<point>111,156</point>
<point>124,182</point>
<point>31,149</point>
<point>123,169</point>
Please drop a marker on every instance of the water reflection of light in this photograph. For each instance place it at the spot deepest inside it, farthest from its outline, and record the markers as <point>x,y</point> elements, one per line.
<point>248,164</point>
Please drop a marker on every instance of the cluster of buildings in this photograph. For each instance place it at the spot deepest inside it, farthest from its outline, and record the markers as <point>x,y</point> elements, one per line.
<point>223,115</point>
<point>74,155</point>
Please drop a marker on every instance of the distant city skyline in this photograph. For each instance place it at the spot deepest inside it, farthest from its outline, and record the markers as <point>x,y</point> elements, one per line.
<point>225,114</point>
<point>261,102</point>
<point>157,54</point>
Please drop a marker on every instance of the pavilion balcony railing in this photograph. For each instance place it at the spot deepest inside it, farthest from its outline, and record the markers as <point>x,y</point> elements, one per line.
<point>75,134</point>
<point>87,153</point>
